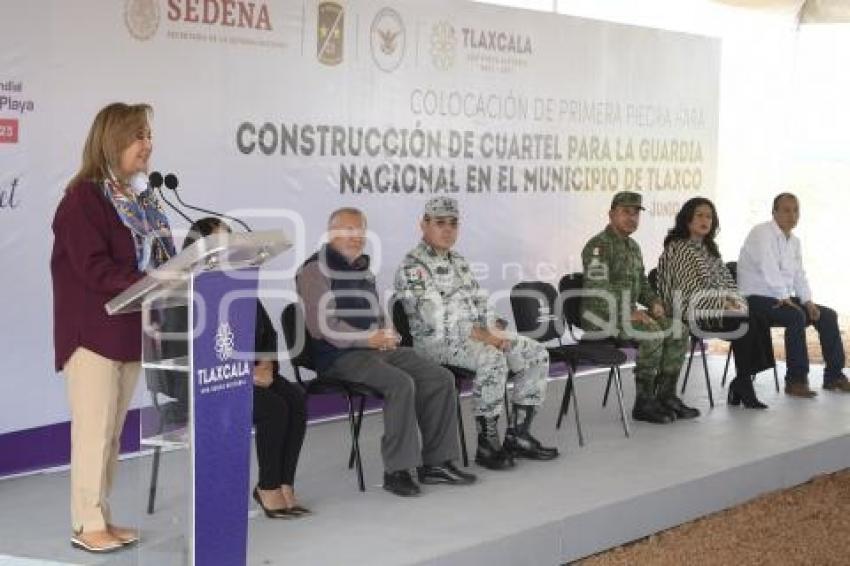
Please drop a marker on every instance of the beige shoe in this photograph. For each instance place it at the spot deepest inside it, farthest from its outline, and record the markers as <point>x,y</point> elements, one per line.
<point>126,535</point>
<point>97,542</point>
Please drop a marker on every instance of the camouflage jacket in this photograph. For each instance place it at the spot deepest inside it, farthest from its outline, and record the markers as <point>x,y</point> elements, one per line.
<point>614,264</point>
<point>442,299</point>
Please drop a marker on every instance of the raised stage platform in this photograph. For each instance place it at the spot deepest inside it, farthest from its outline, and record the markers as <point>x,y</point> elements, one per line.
<point>611,491</point>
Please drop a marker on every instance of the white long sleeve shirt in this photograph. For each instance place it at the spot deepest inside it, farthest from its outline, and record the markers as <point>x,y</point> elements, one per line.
<point>771,264</point>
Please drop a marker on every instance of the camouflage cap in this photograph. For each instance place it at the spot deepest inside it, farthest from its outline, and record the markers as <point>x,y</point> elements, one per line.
<point>627,198</point>
<point>441,206</point>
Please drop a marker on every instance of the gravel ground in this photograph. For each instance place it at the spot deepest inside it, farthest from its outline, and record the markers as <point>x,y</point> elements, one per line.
<point>805,525</point>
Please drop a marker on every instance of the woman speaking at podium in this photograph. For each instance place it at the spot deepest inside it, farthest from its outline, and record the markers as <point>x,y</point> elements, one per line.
<point>108,230</point>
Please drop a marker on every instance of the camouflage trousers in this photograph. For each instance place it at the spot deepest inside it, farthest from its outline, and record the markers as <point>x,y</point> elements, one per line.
<point>527,358</point>
<point>661,353</point>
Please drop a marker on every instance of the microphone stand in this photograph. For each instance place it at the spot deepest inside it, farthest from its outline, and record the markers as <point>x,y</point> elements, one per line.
<point>206,211</point>
<point>174,208</point>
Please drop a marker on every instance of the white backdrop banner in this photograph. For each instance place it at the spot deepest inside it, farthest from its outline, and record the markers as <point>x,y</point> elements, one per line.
<point>281,111</point>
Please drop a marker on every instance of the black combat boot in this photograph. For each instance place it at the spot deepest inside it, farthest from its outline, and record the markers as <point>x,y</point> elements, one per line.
<point>648,410</point>
<point>682,411</point>
<point>490,453</point>
<point>518,439</point>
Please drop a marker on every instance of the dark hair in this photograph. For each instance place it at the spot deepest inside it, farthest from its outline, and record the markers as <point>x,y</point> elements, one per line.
<point>684,217</point>
<point>781,196</point>
<point>203,228</point>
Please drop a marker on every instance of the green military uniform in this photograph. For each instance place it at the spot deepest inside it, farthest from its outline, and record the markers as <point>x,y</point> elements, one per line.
<point>613,266</point>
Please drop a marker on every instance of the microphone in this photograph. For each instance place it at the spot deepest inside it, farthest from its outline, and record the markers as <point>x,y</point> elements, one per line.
<point>156,180</point>
<point>171,182</point>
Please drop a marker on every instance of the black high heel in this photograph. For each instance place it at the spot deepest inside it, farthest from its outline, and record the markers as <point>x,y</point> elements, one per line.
<point>733,400</point>
<point>741,392</point>
<point>271,513</point>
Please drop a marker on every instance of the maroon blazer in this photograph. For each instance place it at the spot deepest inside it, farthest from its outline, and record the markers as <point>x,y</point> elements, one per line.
<point>93,260</point>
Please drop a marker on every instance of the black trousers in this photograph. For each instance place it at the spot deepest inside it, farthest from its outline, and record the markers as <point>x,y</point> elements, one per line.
<point>280,420</point>
<point>753,350</point>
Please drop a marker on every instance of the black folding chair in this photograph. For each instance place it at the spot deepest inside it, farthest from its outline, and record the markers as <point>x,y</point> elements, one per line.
<point>732,266</point>
<point>297,343</point>
<point>462,375</point>
<point>570,293</point>
<point>537,310</point>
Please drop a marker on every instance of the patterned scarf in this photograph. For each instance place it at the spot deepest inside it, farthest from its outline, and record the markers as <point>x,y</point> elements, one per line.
<point>142,214</point>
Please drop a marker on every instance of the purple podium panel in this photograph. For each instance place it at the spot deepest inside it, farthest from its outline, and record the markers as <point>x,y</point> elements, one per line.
<point>223,314</point>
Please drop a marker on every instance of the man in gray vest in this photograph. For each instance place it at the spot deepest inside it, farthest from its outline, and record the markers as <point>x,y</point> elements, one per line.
<point>351,341</point>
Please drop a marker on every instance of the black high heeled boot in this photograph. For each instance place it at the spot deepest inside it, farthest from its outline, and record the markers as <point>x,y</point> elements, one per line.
<point>741,391</point>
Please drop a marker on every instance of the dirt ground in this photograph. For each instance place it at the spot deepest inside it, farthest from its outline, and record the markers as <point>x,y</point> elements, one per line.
<point>805,525</point>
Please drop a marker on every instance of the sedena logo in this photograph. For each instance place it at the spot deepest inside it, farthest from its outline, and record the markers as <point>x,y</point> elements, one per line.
<point>141,18</point>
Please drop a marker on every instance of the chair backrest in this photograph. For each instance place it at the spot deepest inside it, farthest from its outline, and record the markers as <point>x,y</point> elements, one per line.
<point>297,338</point>
<point>570,301</point>
<point>653,279</point>
<point>732,266</point>
<point>537,311</point>
<point>401,322</point>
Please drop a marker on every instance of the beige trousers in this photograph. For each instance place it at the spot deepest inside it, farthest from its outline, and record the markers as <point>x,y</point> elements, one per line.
<point>99,392</point>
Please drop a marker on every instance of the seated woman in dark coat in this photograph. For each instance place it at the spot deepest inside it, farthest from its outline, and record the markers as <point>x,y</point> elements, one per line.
<point>692,276</point>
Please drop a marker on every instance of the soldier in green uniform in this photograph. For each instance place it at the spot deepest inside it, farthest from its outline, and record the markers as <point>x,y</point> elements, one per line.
<point>615,283</point>
<point>451,323</point>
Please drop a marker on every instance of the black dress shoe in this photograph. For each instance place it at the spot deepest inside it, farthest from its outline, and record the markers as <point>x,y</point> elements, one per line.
<point>444,473</point>
<point>681,410</point>
<point>649,411</point>
<point>400,483</point>
<point>523,445</point>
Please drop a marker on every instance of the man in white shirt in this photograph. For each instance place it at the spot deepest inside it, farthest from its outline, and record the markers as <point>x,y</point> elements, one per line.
<point>771,274</point>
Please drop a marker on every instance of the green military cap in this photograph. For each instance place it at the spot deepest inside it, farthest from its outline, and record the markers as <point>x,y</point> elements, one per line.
<point>441,206</point>
<point>627,198</point>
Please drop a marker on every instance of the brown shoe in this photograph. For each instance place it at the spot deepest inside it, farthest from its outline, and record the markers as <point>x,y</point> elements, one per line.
<point>837,384</point>
<point>98,542</point>
<point>126,535</point>
<point>798,389</point>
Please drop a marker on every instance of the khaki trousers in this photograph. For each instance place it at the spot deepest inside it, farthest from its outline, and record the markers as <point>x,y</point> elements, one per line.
<point>99,392</point>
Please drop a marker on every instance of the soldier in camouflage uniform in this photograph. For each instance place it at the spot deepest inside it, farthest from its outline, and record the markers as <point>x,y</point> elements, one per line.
<point>451,324</point>
<point>614,273</point>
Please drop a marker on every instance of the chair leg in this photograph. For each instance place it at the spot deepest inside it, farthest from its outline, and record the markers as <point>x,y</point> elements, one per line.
<point>565,403</point>
<point>707,378</point>
<point>154,478</point>
<point>726,367</point>
<point>619,386</point>
<point>570,379</point>
<point>509,419</point>
<point>357,424</point>
<point>464,454</point>
<point>776,378</point>
<point>690,360</point>
<point>355,444</point>
<point>608,387</point>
